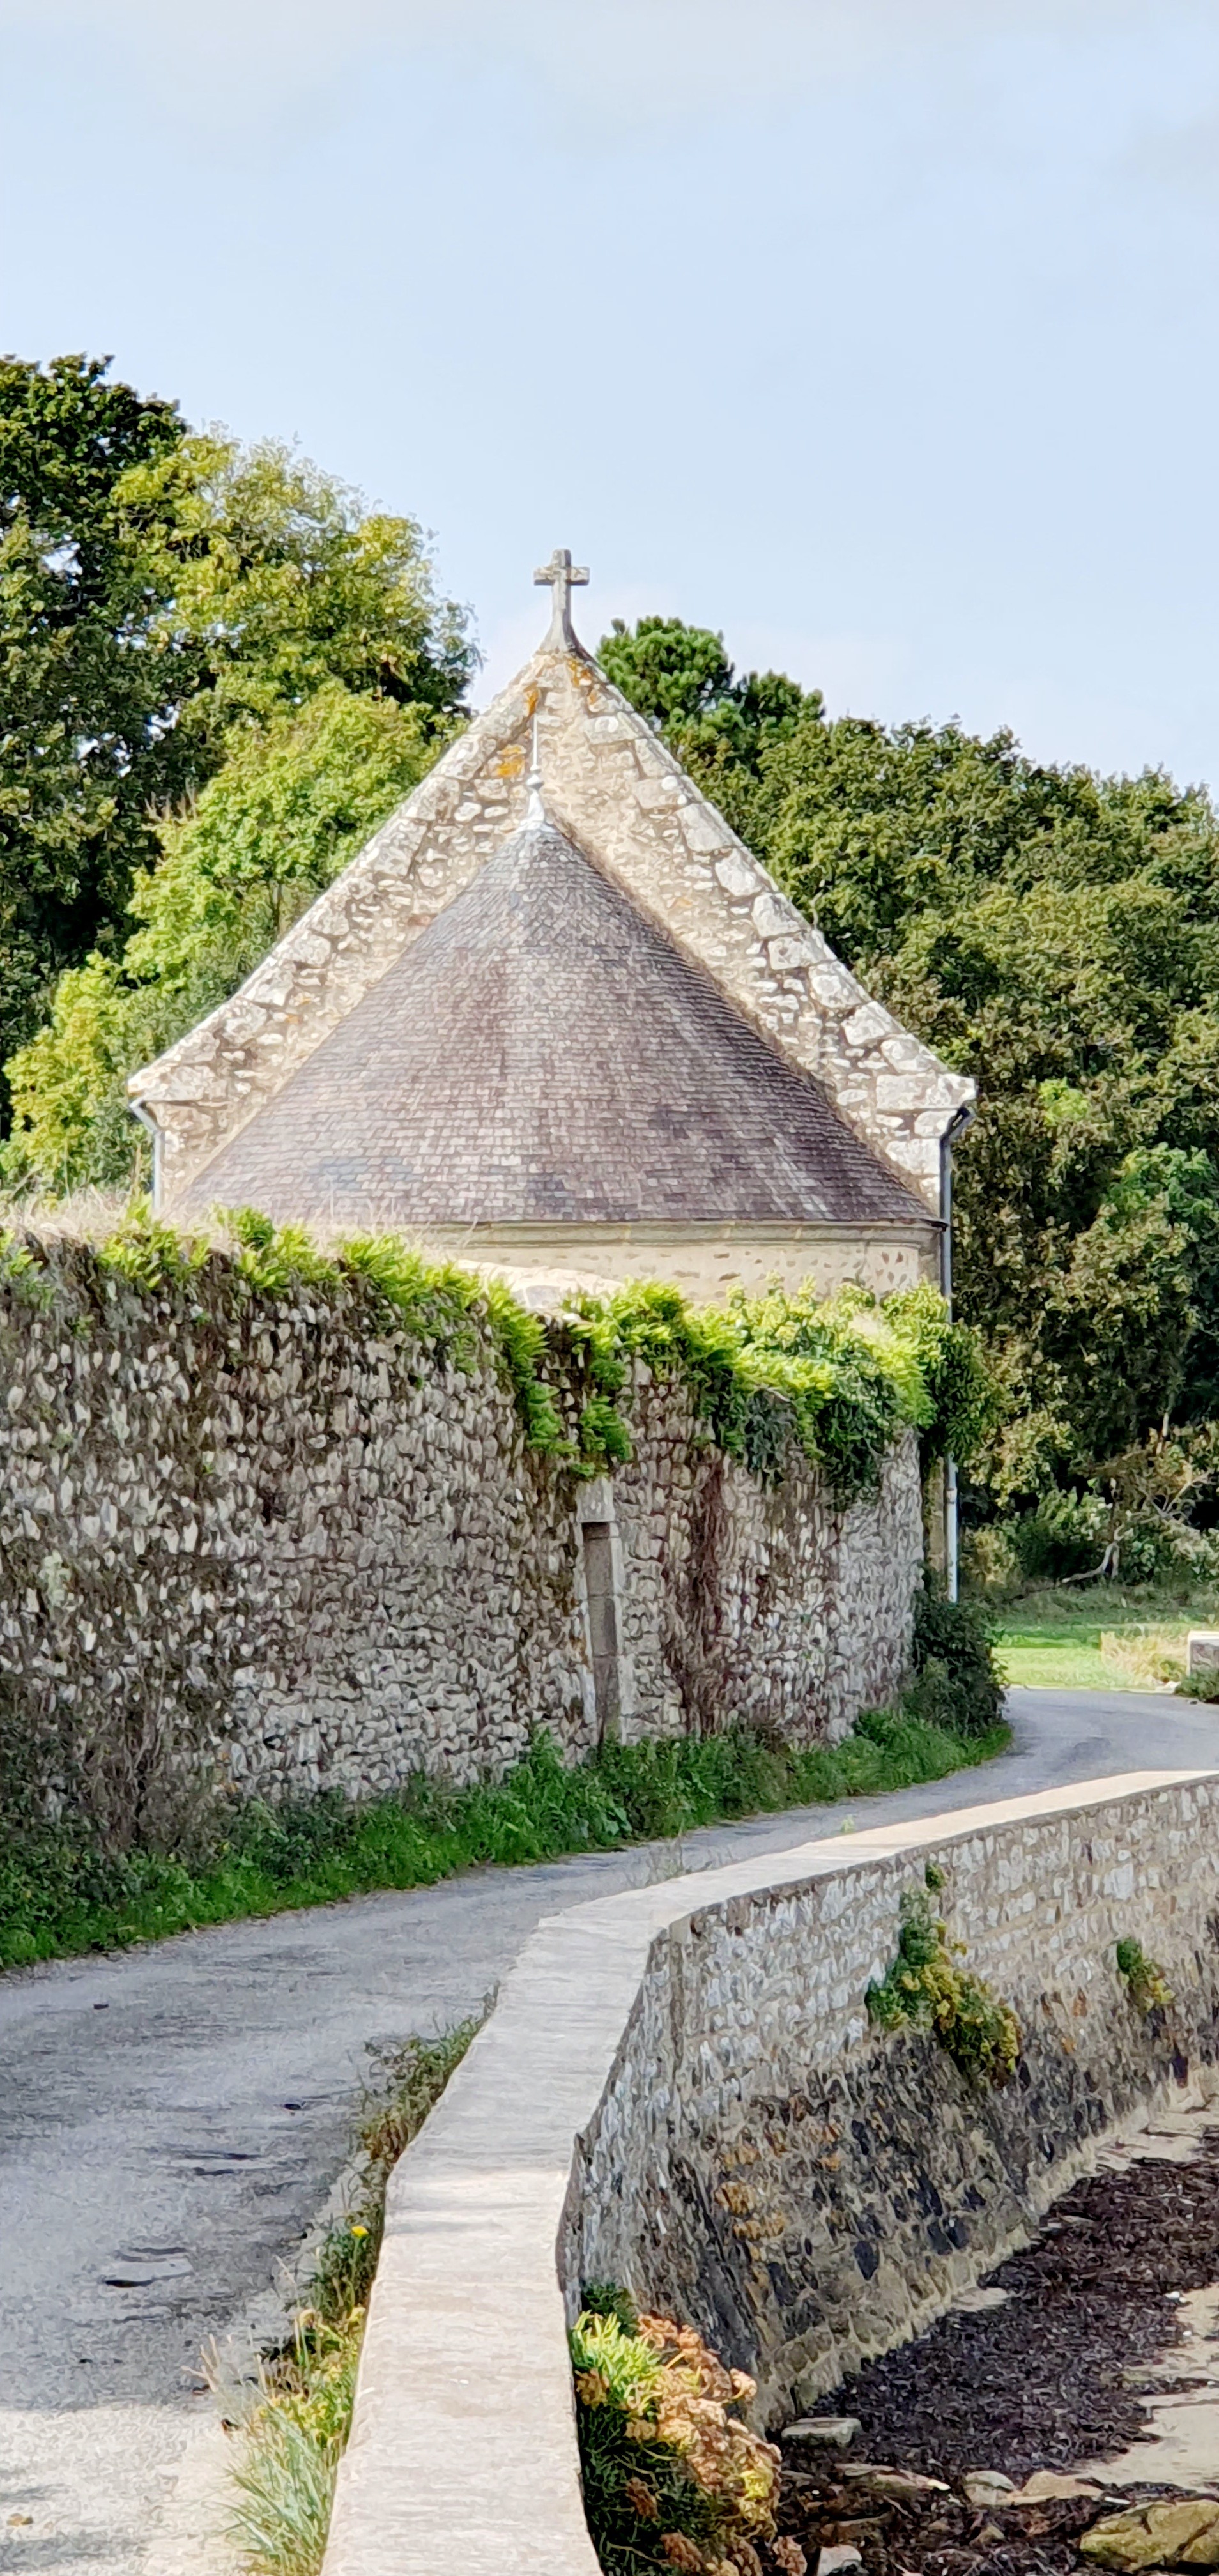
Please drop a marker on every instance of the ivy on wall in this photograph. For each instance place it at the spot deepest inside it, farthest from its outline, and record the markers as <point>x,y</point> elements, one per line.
<point>837,1381</point>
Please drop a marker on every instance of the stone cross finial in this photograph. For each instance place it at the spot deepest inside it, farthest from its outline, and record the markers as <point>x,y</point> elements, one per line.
<point>563,578</point>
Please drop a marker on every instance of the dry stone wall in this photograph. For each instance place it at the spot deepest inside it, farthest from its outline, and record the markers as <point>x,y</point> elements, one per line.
<point>679,2090</point>
<point>270,1544</point>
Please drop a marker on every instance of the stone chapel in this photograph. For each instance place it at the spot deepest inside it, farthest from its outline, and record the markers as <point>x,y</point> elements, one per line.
<point>556,1018</point>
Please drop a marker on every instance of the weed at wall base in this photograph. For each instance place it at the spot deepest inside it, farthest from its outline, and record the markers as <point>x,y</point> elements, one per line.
<point>286,2470</point>
<point>59,1898</point>
<point>296,2426</point>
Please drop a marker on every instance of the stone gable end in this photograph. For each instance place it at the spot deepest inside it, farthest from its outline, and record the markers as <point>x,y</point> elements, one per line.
<point>612,786</point>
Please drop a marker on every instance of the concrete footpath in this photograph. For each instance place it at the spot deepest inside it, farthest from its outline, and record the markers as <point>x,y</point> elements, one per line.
<point>170,2121</point>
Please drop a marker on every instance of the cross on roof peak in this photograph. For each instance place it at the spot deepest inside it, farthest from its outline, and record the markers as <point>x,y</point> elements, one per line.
<point>563,577</point>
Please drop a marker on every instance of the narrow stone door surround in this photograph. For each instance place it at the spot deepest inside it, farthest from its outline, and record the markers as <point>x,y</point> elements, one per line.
<point>602,1580</point>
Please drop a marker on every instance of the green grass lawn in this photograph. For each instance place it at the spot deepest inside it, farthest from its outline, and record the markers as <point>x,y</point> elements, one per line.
<point>1100,1637</point>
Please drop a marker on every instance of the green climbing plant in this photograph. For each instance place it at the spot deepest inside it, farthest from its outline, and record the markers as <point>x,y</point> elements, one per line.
<point>926,1986</point>
<point>834,1381</point>
<point>1146,1983</point>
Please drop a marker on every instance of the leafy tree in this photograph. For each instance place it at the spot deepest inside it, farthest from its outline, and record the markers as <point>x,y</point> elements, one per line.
<point>157,590</point>
<point>681,679</point>
<point>277,573</point>
<point>1056,935</point>
<point>293,802</point>
<point>87,736</point>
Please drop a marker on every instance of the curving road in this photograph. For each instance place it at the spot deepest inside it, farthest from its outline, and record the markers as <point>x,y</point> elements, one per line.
<point>171,2119</point>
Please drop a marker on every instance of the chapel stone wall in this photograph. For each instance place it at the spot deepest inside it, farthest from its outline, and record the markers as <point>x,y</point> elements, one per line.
<point>268,1543</point>
<point>710,1264</point>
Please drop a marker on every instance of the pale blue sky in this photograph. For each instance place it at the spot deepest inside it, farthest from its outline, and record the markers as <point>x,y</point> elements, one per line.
<point>879,333</point>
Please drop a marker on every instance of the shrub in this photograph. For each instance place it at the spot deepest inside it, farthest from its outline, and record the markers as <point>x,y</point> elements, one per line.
<point>672,2477</point>
<point>1155,1548</point>
<point>957,1683</point>
<point>1064,1534</point>
<point>1148,1987</point>
<point>1202,1685</point>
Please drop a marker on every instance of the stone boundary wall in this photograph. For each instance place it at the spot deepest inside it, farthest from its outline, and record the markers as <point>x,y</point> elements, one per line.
<point>679,2090</point>
<point>272,1542</point>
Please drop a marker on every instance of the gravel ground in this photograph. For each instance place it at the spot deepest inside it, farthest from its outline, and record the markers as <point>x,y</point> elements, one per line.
<point>940,2535</point>
<point>1052,2378</point>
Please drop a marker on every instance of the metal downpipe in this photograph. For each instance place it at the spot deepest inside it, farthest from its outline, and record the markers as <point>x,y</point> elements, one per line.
<point>958,1124</point>
<point>146,1120</point>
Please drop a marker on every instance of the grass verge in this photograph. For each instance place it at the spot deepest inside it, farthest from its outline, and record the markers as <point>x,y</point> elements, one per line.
<point>292,2435</point>
<point>58,1899</point>
<point>1102,1637</point>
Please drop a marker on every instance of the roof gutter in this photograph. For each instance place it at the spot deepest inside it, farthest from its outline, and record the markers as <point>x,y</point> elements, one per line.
<point>959,1124</point>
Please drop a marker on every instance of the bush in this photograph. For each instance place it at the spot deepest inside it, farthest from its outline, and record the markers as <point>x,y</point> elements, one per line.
<point>1068,1535</point>
<point>1154,1548</point>
<point>672,2477</point>
<point>1065,1534</point>
<point>1202,1685</point>
<point>1146,1983</point>
<point>957,1684</point>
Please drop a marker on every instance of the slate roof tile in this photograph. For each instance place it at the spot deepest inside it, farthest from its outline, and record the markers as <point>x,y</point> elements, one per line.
<point>542,1052</point>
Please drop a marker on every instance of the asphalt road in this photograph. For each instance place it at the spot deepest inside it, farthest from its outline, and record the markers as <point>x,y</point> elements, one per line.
<point>171,2119</point>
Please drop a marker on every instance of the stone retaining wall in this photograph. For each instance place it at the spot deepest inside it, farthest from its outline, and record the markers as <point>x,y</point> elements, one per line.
<point>271,1542</point>
<point>679,2090</point>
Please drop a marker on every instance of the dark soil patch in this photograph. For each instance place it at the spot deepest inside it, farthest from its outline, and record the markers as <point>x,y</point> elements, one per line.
<point>1048,2381</point>
<point>1043,2383</point>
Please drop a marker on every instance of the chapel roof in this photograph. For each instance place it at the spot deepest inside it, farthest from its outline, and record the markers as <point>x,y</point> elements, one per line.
<point>642,831</point>
<point>545,1053</point>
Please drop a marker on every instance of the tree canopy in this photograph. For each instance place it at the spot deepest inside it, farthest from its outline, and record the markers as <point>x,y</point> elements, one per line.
<point>87,739</point>
<point>294,800</point>
<point>1056,935</point>
<point>681,679</point>
<point>158,591</point>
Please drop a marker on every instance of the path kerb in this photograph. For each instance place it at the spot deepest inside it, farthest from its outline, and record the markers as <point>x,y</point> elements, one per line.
<point>463,2453</point>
